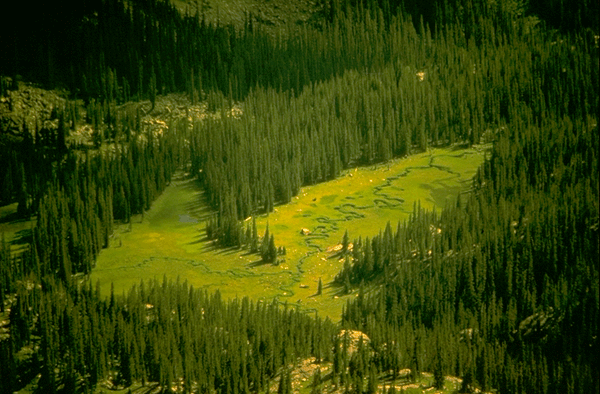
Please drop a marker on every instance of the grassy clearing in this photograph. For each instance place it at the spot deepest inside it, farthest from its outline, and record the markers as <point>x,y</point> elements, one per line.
<point>169,240</point>
<point>17,232</point>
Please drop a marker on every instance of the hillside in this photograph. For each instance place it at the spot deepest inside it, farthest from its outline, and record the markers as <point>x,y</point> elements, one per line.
<point>336,196</point>
<point>271,14</point>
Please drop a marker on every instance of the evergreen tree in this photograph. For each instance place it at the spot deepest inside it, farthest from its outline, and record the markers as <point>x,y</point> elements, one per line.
<point>345,242</point>
<point>316,383</point>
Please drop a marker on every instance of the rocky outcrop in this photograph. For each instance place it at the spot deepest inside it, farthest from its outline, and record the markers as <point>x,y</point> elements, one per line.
<point>29,106</point>
<point>539,325</point>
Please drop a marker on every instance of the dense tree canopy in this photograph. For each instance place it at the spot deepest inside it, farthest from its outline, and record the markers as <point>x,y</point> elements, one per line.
<point>500,288</point>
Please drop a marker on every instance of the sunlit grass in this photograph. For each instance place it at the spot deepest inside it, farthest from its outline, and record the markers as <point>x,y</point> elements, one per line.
<point>16,231</point>
<point>169,240</point>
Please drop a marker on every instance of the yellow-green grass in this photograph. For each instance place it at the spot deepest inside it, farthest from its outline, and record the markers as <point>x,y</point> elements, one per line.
<point>17,232</point>
<point>169,240</point>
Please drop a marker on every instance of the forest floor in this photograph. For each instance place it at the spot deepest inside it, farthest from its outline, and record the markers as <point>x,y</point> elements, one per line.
<point>169,240</point>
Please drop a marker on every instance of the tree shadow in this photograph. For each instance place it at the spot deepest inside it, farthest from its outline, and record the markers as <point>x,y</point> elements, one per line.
<point>215,247</point>
<point>338,289</point>
<point>259,263</point>
<point>199,240</point>
<point>191,182</point>
<point>460,146</point>
<point>22,237</point>
<point>199,210</point>
<point>182,176</point>
<point>338,255</point>
<point>149,388</point>
<point>326,286</point>
<point>227,250</point>
<point>11,217</point>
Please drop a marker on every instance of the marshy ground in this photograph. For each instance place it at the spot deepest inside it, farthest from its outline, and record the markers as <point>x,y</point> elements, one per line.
<point>169,240</point>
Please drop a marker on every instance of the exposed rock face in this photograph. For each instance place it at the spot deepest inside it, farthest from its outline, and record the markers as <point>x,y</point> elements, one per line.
<point>26,106</point>
<point>538,325</point>
<point>29,106</point>
<point>354,338</point>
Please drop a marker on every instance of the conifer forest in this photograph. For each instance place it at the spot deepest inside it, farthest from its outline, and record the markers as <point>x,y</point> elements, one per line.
<point>496,292</point>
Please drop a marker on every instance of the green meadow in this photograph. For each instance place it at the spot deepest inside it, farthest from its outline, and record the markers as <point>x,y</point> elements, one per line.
<point>16,232</point>
<point>169,240</point>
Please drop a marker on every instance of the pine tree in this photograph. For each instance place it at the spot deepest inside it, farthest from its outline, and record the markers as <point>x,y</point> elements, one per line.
<point>373,381</point>
<point>268,248</point>
<point>6,192</point>
<point>254,237</point>
<point>316,383</point>
<point>264,247</point>
<point>272,250</point>
<point>285,383</point>
<point>22,194</point>
<point>438,373</point>
<point>345,242</point>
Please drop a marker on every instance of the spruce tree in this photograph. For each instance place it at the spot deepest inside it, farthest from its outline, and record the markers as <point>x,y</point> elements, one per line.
<point>345,242</point>
<point>254,237</point>
<point>272,250</point>
<point>316,383</point>
<point>264,247</point>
